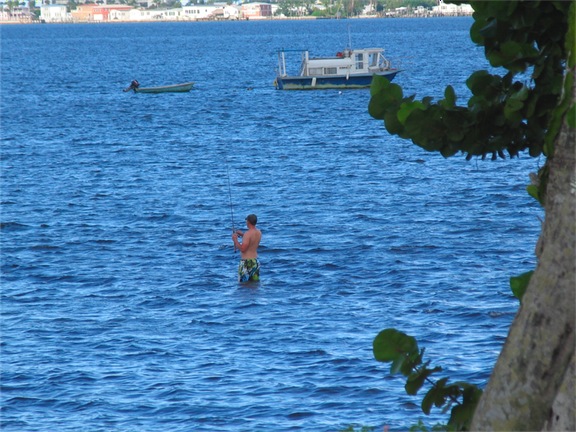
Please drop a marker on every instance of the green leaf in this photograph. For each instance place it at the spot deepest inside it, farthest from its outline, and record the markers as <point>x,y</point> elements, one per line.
<point>377,107</point>
<point>476,32</point>
<point>406,109</point>
<point>436,396</point>
<point>513,111</point>
<point>456,126</point>
<point>426,129</point>
<point>514,55</point>
<point>449,98</point>
<point>416,380</point>
<point>388,97</point>
<point>521,95</point>
<point>513,105</point>
<point>391,345</point>
<point>379,84</point>
<point>534,192</point>
<point>393,126</point>
<point>448,151</point>
<point>511,49</point>
<point>518,284</point>
<point>411,363</point>
<point>427,403</point>
<point>490,30</point>
<point>461,415</point>
<point>479,81</point>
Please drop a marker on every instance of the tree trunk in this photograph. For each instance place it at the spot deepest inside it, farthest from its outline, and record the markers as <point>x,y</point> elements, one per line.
<point>532,385</point>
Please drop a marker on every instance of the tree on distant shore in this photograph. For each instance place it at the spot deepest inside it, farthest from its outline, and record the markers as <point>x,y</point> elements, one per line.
<point>393,4</point>
<point>532,386</point>
<point>334,8</point>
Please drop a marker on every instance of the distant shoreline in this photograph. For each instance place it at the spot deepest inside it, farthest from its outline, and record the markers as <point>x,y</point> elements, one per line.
<point>306,18</point>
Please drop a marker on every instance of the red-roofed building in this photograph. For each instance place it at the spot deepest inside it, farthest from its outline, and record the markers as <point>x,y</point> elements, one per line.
<point>95,12</point>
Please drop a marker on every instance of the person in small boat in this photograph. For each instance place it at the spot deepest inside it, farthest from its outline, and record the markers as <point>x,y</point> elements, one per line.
<point>133,85</point>
<point>249,267</point>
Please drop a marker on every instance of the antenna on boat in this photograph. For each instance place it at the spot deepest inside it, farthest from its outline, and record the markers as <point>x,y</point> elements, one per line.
<point>349,38</point>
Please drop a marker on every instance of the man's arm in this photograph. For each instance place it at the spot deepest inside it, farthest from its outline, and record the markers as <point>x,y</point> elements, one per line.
<point>242,247</point>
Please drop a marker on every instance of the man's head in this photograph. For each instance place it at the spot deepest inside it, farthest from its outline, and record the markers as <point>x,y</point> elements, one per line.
<point>252,219</point>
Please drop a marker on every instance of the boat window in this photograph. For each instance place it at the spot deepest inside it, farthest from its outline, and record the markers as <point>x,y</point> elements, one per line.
<point>373,60</point>
<point>360,61</point>
<point>330,71</point>
<point>315,71</point>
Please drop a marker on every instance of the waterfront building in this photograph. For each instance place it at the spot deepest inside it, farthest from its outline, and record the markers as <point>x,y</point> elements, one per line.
<point>113,12</point>
<point>201,12</point>
<point>18,14</point>
<point>449,9</point>
<point>102,12</point>
<point>53,13</point>
<point>257,10</point>
<point>231,12</point>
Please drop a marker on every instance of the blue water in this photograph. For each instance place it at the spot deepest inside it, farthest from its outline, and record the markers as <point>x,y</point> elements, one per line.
<point>120,306</point>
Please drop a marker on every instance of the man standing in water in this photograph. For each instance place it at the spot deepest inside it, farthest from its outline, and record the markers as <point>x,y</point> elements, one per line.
<point>249,267</point>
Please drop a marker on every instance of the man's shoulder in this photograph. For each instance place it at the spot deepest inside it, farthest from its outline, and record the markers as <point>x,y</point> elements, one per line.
<point>256,233</point>
<point>252,232</point>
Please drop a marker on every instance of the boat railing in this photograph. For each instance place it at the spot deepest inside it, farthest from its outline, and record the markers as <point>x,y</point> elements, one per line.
<point>282,71</point>
<point>377,62</point>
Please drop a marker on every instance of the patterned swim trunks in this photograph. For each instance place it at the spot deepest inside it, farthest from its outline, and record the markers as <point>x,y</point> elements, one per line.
<point>249,270</point>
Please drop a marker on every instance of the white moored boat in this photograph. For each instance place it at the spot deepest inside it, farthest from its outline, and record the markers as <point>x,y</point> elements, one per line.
<point>346,70</point>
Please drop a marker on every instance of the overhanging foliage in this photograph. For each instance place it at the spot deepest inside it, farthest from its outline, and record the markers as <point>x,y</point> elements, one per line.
<point>504,113</point>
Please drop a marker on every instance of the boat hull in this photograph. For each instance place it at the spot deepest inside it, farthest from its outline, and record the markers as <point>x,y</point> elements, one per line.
<point>332,82</point>
<point>176,88</point>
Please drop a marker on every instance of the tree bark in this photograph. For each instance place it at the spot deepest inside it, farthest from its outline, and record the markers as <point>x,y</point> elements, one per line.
<point>532,385</point>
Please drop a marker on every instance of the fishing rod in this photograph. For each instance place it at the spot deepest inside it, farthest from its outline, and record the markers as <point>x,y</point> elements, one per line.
<point>230,198</point>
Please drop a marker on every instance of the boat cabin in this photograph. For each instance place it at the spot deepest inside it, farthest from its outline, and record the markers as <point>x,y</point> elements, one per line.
<point>344,63</point>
